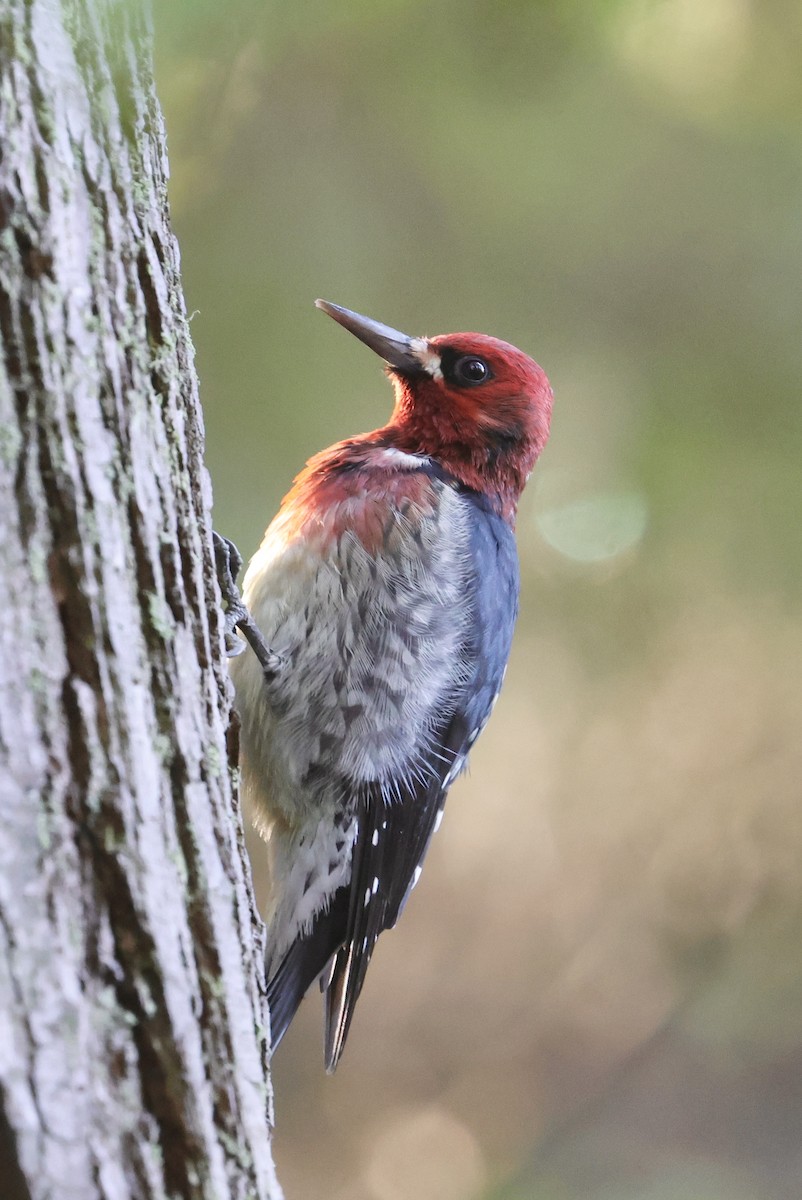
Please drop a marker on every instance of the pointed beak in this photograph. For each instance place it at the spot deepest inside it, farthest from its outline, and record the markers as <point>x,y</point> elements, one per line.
<point>402,352</point>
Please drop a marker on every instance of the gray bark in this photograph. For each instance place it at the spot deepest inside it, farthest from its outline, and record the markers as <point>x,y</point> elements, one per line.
<point>133,1022</point>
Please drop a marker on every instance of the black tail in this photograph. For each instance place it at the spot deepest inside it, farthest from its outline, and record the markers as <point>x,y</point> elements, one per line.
<point>305,960</point>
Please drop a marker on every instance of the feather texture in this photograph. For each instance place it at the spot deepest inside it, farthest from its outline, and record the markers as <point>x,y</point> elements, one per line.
<point>390,590</point>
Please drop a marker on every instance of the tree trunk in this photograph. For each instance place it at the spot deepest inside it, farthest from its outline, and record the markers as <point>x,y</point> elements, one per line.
<point>133,1023</point>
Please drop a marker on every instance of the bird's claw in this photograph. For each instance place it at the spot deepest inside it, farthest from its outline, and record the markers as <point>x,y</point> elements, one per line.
<point>228,561</point>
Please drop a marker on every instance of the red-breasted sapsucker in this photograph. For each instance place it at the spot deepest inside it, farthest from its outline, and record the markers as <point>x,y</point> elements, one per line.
<point>387,587</point>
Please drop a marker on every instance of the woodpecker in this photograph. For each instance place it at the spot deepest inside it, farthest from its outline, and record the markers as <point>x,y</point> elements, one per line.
<point>386,589</point>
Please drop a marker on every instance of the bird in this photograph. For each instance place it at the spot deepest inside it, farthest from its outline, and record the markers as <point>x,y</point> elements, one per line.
<point>386,589</point>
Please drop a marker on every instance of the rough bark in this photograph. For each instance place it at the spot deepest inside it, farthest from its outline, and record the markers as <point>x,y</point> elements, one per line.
<point>133,1024</point>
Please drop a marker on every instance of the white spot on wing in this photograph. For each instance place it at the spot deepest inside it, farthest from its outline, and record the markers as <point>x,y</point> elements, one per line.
<point>374,841</point>
<point>438,819</point>
<point>416,875</point>
<point>368,894</point>
<point>375,887</point>
<point>456,767</point>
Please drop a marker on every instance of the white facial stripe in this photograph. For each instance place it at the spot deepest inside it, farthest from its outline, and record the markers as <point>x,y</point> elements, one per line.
<point>428,358</point>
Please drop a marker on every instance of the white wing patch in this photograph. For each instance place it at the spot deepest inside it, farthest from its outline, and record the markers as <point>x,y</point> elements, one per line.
<point>399,458</point>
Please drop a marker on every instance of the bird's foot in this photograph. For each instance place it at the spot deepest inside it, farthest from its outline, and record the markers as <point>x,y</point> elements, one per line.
<point>228,561</point>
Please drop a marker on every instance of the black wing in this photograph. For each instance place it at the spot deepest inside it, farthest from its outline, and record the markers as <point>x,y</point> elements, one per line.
<point>390,844</point>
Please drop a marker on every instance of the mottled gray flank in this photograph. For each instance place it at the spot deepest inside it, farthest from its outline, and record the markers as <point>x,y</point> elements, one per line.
<point>132,1011</point>
<point>354,629</point>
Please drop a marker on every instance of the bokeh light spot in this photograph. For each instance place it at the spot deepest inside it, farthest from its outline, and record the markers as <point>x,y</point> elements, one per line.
<point>595,528</point>
<point>424,1154</point>
<point>696,50</point>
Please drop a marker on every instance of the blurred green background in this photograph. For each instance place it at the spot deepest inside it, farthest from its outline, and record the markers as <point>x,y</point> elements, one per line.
<point>596,991</point>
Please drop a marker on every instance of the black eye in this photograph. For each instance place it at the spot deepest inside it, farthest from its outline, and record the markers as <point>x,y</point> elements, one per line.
<point>471,370</point>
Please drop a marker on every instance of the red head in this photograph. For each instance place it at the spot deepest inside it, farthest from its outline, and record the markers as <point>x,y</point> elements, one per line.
<point>477,405</point>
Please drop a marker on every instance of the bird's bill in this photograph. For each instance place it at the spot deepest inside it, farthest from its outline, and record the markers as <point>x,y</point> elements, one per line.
<point>402,352</point>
